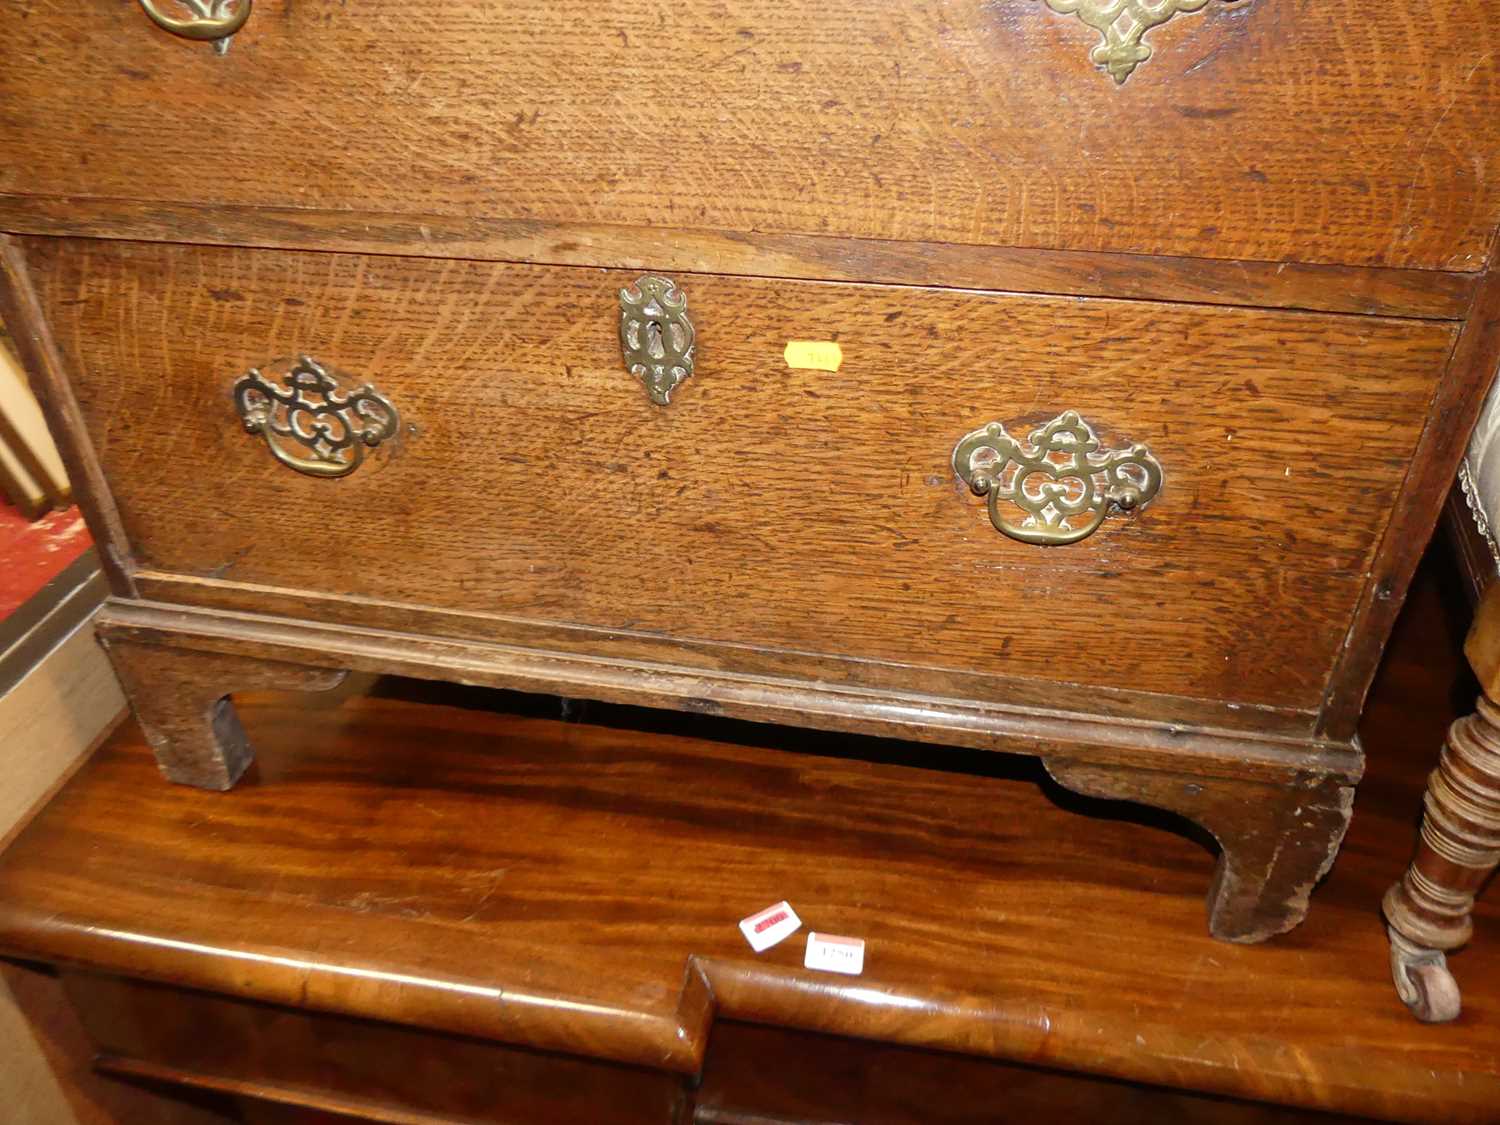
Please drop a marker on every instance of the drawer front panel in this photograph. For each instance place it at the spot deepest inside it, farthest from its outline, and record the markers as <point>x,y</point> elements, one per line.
<point>766,507</point>
<point>1338,131</point>
<point>372,1071</point>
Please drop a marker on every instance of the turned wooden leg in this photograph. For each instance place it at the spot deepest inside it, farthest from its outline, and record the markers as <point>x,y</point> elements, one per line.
<point>1459,846</point>
<point>180,697</point>
<point>1277,838</point>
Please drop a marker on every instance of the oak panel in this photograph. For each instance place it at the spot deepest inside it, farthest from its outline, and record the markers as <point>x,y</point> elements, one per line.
<point>1351,131</point>
<point>786,509</point>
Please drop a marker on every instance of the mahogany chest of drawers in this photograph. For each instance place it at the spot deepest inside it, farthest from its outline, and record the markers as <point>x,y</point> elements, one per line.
<point>1078,378</point>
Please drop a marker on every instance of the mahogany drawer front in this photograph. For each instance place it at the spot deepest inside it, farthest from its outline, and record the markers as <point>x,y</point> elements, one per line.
<point>1363,132</point>
<point>765,509</point>
<point>370,1070</point>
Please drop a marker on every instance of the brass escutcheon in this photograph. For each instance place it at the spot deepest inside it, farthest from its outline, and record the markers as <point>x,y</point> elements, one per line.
<point>310,425</point>
<point>211,20</point>
<point>656,336</point>
<point>1122,25</point>
<point>1057,482</point>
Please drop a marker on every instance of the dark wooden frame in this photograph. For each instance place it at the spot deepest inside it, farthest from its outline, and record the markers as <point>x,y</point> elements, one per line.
<point>1475,559</point>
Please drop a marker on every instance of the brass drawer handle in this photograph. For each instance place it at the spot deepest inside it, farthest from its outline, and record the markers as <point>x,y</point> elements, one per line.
<point>208,21</point>
<point>656,336</point>
<point>310,415</point>
<point>1058,481</point>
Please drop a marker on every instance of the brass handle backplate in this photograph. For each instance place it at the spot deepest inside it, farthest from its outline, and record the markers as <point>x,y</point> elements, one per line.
<point>656,336</point>
<point>211,20</point>
<point>309,424</point>
<point>1057,486</point>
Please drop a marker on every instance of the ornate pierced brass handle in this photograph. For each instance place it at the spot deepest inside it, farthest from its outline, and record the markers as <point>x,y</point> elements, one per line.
<point>309,424</point>
<point>211,20</point>
<point>656,336</point>
<point>1057,486</point>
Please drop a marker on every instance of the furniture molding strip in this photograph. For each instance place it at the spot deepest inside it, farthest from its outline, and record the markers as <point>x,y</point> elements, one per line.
<point>760,698</point>
<point>696,653</point>
<point>1416,293</point>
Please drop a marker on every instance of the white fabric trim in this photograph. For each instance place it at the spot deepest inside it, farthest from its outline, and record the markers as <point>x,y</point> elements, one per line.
<point>1471,494</point>
<point>1479,474</point>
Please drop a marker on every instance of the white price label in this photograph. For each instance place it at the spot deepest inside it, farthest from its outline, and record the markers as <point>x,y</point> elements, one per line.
<point>835,954</point>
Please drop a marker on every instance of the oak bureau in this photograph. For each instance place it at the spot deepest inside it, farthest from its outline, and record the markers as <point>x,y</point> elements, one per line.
<point>1078,378</point>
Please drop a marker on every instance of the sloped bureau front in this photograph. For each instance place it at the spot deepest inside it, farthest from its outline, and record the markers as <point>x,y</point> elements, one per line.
<point>1349,131</point>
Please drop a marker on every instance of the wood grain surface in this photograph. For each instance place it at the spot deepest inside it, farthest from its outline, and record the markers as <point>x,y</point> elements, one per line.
<point>180,698</point>
<point>765,507</point>
<point>303,1068</point>
<point>370,1071</point>
<point>1276,840</point>
<point>420,857</point>
<point>757,1075</point>
<point>1426,294</point>
<point>339,617</point>
<point>1349,131</point>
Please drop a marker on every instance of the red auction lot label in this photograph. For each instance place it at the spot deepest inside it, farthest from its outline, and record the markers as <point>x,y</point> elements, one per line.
<point>769,926</point>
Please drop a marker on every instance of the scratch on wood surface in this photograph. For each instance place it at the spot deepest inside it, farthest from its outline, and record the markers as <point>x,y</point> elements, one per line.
<point>1402,230</point>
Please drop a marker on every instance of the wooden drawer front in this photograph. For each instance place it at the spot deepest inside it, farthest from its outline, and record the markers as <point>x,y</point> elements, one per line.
<point>373,1071</point>
<point>765,507</point>
<point>756,1074</point>
<point>1354,131</point>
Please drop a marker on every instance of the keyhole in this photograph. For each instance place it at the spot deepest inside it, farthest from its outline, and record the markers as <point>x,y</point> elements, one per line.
<point>654,347</point>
